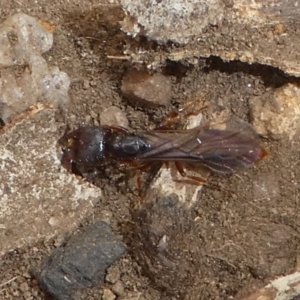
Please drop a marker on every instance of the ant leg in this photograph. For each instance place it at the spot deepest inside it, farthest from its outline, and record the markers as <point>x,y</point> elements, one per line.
<point>142,168</point>
<point>138,167</point>
<point>152,169</point>
<point>135,165</point>
<point>117,128</point>
<point>169,123</point>
<point>139,180</point>
<point>181,171</point>
<point>145,167</point>
<point>200,180</point>
<point>191,108</point>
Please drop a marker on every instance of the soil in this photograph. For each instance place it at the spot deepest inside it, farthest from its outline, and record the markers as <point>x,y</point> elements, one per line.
<point>246,233</point>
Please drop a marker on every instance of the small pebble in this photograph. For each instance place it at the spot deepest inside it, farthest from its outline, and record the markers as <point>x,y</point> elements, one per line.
<point>27,295</point>
<point>146,90</point>
<point>23,287</point>
<point>14,285</point>
<point>106,216</point>
<point>94,114</point>
<point>277,115</point>
<point>113,116</point>
<point>133,296</point>
<point>108,295</point>
<point>85,84</point>
<point>93,83</point>
<point>118,288</point>
<point>113,275</point>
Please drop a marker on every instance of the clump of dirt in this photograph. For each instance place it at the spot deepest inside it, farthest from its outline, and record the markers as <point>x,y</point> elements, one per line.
<point>245,233</point>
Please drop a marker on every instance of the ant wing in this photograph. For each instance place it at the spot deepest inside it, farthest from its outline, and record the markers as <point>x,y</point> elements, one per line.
<point>168,145</point>
<point>221,150</point>
<point>226,150</point>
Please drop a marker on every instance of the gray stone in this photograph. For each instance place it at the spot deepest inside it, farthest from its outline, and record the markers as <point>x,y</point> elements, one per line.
<point>38,197</point>
<point>82,263</point>
<point>23,40</point>
<point>255,31</point>
<point>175,20</point>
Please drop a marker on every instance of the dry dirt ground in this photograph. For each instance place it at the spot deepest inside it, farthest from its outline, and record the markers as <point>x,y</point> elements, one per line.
<point>243,238</point>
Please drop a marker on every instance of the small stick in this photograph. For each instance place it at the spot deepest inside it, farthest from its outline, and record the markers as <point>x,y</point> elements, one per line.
<point>121,57</point>
<point>8,281</point>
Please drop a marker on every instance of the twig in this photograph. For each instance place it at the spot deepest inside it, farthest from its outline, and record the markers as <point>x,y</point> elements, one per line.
<point>8,281</point>
<point>121,57</point>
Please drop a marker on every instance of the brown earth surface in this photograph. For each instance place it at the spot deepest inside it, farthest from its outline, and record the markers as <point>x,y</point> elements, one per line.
<point>242,238</point>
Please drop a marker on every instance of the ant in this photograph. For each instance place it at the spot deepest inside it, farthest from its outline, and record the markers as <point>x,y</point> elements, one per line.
<point>218,150</point>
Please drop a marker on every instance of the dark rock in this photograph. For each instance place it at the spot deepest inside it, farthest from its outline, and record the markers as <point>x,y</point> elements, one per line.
<point>82,263</point>
<point>168,247</point>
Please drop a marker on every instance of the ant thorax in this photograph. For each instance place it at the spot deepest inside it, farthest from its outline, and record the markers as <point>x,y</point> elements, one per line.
<point>123,146</point>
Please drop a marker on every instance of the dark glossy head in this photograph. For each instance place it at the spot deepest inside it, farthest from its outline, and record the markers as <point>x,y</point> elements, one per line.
<point>84,146</point>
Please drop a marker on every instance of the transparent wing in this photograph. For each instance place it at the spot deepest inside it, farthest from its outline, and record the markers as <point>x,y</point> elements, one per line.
<point>221,150</point>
